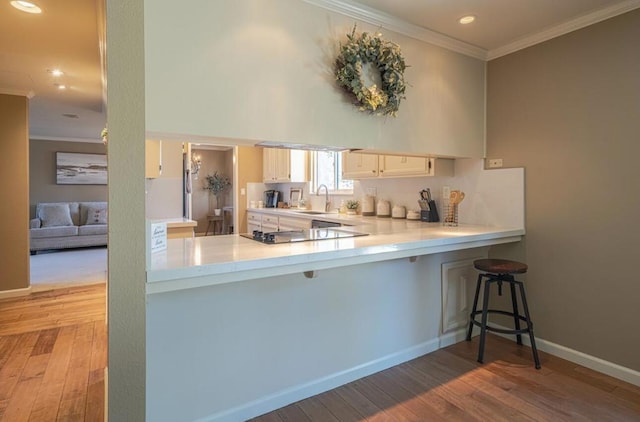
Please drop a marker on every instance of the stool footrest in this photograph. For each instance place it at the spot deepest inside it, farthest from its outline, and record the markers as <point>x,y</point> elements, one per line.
<point>502,330</point>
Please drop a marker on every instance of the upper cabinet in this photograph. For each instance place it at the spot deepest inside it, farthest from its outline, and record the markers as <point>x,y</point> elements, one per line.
<point>153,159</point>
<point>359,166</point>
<point>397,165</point>
<point>284,165</point>
<point>362,166</point>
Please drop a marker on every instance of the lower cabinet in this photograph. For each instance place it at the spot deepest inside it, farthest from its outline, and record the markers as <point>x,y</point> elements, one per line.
<point>273,223</point>
<point>457,277</point>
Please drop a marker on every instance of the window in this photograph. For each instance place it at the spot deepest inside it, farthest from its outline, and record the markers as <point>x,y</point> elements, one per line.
<point>327,170</point>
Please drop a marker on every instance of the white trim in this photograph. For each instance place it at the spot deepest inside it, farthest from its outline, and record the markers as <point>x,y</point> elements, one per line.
<point>18,92</point>
<point>564,28</point>
<point>33,137</point>
<point>6,294</point>
<point>392,23</point>
<point>302,391</point>
<point>609,368</point>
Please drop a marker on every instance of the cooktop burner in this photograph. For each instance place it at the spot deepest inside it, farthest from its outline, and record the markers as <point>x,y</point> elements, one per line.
<point>300,235</point>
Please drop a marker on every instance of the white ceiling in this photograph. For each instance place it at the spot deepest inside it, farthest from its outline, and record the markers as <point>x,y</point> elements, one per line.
<point>69,35</point>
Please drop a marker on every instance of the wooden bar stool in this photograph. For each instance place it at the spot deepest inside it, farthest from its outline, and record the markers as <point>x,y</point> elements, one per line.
<point>501,271</point>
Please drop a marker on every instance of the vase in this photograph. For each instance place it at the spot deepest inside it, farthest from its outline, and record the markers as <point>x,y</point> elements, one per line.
<point>217,212</point>
<point>352,212</point>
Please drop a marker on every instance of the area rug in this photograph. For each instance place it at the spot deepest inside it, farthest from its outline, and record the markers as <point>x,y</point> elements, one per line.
<point>70,267</point>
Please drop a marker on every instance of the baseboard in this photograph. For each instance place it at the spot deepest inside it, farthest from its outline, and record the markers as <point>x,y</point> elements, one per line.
<point>299,392</point>
<point>6,294</point>
<point>612,369</point>
<point>453,337</point>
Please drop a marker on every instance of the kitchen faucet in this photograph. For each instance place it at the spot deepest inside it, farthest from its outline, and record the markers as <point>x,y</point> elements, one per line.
<point>327,203</point>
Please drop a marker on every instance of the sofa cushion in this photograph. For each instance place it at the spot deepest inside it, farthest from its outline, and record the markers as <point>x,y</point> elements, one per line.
<point>96,216</point>
<point>55,215</point>
<point>92,229</point>
<point>85,207</point>
<point>59,231</point>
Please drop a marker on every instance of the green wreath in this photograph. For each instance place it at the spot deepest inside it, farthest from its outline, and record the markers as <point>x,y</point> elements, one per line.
<point>386,57</point>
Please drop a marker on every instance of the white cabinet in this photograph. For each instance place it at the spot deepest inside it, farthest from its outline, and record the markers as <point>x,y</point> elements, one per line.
<point>272,223</point>
<point>152,159</point>
<point>292,223</point>
<point>398,166</point>
<point>254,222</point>
<point>359,166</point>
<point>284,165</point>
<point>362,166</point>
<point>456,276</point>
<point>269,223</point>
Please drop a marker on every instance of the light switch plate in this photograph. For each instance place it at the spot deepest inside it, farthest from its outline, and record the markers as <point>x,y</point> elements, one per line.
<point>495,163</point>
<point>446,192</point>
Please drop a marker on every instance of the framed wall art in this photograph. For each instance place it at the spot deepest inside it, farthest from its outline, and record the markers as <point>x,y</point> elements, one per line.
<point>74,168</point>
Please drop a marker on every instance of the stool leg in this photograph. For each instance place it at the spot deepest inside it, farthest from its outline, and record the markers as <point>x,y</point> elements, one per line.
<point>475,307</point>
<point>516,315</point>
<point>536,359</point>
<point>485,314</point>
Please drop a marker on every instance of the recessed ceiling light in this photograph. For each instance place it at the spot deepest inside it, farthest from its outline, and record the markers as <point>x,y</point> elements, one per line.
<point>60,86</point>
<point>465,20</point>
<point>55,72</point>
<point>71,116</point>
<point>26,6</point>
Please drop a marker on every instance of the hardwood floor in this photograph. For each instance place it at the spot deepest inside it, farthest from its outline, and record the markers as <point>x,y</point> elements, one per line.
<point>53,351</point>
<point>449,385</point>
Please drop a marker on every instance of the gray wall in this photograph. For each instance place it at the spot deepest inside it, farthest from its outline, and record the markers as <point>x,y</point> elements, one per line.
<point>42,174</point>
<point>568,110</point>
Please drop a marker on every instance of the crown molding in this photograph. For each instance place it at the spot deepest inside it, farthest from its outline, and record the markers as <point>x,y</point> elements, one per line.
<point>564,28</point>
<point>36,137</point>
<point>18,92</point>
<point>378,18</point>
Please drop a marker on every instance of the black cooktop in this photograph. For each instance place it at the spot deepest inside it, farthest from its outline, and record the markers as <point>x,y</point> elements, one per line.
<point>305,235</point>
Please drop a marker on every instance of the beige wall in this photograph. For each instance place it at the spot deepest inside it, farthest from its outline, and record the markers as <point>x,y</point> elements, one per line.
<point>126,284</point>
<point>42,174</point>
<point>14,195</point>
<point>568,110</point>
<point>249,171</point>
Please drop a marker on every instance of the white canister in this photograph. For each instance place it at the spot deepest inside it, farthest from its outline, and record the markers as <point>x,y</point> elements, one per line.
<point>383,209</point>
<point>368,205</point>
<point>398,211</point>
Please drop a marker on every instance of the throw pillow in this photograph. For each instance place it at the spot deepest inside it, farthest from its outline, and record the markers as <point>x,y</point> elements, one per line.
<point>54,215</point>
<point>96,216</point>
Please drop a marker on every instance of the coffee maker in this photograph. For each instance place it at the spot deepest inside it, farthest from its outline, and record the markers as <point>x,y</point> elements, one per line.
<point>271,198</point>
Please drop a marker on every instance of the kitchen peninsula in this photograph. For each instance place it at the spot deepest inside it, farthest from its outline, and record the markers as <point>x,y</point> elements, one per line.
<point>236,328</point>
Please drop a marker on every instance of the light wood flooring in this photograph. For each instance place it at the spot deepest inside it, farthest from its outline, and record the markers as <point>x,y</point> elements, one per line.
<point>449,385</point>
<point>53,351</point>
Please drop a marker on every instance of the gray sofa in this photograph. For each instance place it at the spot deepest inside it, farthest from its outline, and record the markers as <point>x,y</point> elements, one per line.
<point>62,225</point>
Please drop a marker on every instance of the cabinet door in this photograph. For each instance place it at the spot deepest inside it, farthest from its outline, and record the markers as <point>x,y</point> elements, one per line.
<point>396,165</point>
<point>152,159</point>
<point>291,223</point>
<point>282,171</point>
<point>268,165</point>
<point>252,226</point>
<point>359,166</point>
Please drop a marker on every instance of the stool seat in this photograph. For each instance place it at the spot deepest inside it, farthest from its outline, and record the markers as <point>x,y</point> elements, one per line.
<point>500,266</point>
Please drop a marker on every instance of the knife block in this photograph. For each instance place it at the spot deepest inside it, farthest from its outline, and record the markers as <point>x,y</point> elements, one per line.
<point>430,215</point>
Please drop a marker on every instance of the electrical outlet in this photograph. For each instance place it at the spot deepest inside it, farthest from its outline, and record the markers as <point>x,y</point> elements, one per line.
<point>243,191</point>
<point>446,192</point>
<point>495,163</point>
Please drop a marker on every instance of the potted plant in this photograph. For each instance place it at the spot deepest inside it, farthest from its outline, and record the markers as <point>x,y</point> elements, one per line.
<point>217,185</point>
<point>352,206</point>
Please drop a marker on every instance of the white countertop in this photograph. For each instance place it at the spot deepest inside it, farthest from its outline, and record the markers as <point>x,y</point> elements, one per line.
<point>176,222</point>
<point>201,261</point>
